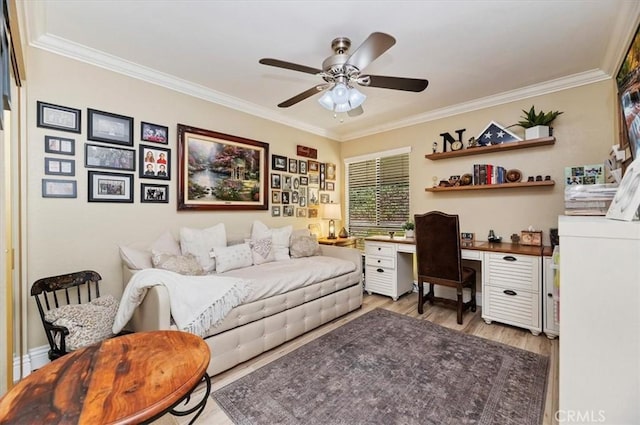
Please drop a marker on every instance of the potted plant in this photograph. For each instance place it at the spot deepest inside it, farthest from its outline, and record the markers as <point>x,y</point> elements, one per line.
<point>409,229</point>
<point>536,125</point>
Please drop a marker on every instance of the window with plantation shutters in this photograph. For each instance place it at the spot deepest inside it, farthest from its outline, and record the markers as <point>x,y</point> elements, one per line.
<point>377,193</point>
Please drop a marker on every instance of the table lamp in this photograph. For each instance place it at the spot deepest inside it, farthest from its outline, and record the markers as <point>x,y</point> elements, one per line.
<point>331,212</point>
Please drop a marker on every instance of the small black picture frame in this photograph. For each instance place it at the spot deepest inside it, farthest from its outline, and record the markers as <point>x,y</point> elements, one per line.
<point>59,117</point>
<point>59,145</point>
<point>59,167</point>
<point>52,188</point>
<point>154,193</point>
<point>154,133</point>
<point>293,165</point>
<point>110,158</point>
<point>110,187</point>
<point>279,163</point>
<point>109,128</point>
<point>154,163</point>
<point>276,181</point>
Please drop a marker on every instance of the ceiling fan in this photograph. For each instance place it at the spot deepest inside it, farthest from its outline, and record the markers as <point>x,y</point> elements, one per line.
<point>342,72</point>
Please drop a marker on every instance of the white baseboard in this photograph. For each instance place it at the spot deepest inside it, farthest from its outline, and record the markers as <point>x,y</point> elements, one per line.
<point>34,359</point>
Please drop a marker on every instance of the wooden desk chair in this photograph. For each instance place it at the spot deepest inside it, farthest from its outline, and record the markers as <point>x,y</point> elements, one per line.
<point>440,260</point>
<point>57,291</point>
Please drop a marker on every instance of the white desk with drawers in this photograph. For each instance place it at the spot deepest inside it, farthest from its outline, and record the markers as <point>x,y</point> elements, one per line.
<point>511,276</point>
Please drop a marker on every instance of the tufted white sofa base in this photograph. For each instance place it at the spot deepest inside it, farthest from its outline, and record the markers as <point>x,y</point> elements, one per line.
<point>259,326</point>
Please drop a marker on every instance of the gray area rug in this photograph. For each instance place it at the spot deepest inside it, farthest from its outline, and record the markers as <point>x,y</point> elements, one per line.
<point>386,368</point>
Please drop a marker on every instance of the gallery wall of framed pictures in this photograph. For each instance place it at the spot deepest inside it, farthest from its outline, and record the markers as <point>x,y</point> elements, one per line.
<point>299,185</point>
<point>110,146</point>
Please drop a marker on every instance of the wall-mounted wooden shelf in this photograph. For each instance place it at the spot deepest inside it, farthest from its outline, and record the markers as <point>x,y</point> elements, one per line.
<point>491,186</point>
<point>493,148</point>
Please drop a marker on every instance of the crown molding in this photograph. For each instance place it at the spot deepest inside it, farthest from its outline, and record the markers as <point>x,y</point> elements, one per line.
<point>547,87</point>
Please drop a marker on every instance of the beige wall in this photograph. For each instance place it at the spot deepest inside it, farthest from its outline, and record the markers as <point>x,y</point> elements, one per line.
<point>66,235</point>
<point>71,234</point>
<point>584,135</point>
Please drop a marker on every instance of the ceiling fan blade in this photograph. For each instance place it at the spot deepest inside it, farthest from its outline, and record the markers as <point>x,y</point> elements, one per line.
<point>374,46</point>
<point>288,65</point>
<point>397,83</point>
<point>356,111</point>
<point>302,96</point>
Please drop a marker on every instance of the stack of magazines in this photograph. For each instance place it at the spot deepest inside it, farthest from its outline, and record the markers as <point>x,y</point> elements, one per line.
<point>588,199</point>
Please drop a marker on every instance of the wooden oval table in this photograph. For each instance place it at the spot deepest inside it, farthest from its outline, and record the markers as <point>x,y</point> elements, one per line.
<point>130,379</point>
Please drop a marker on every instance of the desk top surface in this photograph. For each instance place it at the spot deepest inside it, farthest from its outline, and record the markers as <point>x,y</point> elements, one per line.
<point>475,245</point>
<point>123,380</point>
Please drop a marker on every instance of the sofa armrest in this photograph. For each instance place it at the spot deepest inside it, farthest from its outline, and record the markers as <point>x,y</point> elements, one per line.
<point>154,313</point>
<point>349,254</point>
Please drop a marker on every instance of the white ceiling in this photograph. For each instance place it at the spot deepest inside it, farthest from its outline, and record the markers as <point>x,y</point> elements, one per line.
<point>474,53</point>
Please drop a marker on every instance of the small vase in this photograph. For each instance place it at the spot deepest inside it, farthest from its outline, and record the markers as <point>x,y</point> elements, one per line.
<point>409,234</point>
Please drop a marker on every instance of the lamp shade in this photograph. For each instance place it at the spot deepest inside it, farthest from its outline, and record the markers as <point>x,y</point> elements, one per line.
<point>341,98</point>
<point>331,212</point>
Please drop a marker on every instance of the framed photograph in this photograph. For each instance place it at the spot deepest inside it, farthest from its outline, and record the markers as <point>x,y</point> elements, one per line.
<point>275,211</point>
<point>302,166</point>
<point>302,201</point>
<point>529,237</point>
<point>109,128</point>
<point>301,212</point>
<point>276,182</point>
<point>275,197</point>
<point>331,171</point>
<point>287,182</point>
<point>110,187</point>
<point>312,212</point>
<point>314,179</point>
<point>304,181</point>
<point>52,188</point>
<point>154,133</point>
<point>58,117</point>
<point>322,175</point>
<point>313,196</point>
<point>221,172</point>
<point>296,183</point>
<point>293,166</point>
<point>294,197</point>
<point>286,197</point>
<point>313,166</point>
<point>60,145</point>
<point>155,163</point>
<point>154,193</point>
<point>306,151</point>
<point>96,156</point>
<point>60,167</point>
<point>324,198</point>
<point>331,186</point>
<point>287,210</point>
<point>278,163</point>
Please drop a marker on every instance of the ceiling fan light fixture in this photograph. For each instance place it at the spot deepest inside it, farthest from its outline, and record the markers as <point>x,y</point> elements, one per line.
<point>356,98</point>
<point>326,100</point>
<point>340,93</point>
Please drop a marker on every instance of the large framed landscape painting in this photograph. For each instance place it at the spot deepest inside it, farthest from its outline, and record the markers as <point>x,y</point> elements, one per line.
<point>221,172</point>
<point>628,80</point>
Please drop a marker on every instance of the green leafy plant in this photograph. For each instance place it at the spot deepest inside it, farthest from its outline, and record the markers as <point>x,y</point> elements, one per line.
<point>532,119</point>
<point>409,225</point>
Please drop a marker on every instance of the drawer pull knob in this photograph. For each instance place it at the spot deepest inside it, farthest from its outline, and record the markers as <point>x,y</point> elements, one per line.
<point>379,248</point>
<point>550,295</point>
<point>510,292</point>
<point>378,261</point>
<point>509,258</point>
<point>380,270</point>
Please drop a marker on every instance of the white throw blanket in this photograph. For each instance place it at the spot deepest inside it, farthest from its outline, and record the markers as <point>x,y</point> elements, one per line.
<point>197,302</point>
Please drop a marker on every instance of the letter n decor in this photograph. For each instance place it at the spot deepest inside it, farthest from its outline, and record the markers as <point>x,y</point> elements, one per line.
<point>221,172</point>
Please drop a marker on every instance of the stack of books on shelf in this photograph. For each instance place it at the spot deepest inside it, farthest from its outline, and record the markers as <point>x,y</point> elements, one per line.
<point>588,199</point>
<point>488,174</point>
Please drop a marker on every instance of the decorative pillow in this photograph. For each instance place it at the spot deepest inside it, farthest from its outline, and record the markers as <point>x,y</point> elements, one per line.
<point>87,323</point>
<point>261,250</point>
<point>135,259</point>
<point>183,264</point>
<point>233,257</point>
<point>304,246</point>
<point>279,236</point>
<point>139,259</point>
<point>200,243</point>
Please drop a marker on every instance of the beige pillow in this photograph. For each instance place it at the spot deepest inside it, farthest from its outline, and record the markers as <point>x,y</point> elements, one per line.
<point>304,246</point>
<point>201,242</point>
<point>87,323</point>
<point>139,259</point>
<point>280,237</point>
<point>233,257</point>
<point>183,264</point>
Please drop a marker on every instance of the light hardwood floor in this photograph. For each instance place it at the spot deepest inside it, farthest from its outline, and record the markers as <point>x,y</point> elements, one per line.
<point>407,305</point>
